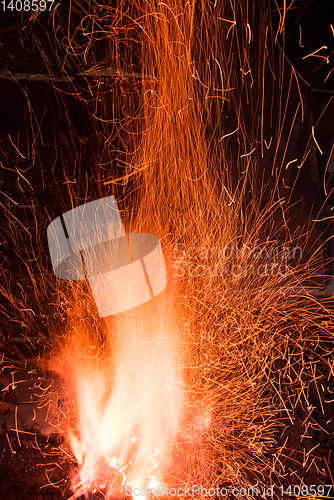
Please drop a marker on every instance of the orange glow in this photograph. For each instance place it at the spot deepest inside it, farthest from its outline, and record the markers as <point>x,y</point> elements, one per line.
<point>186,388</point>
<point>128,397</point>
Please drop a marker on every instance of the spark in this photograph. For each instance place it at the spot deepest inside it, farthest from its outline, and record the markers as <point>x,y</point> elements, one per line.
<point>313,54</point>
<point>227,135</point>
<point>57,484</point>
<point>23,432</point>
<point>15,203</point>
<point>10,445</point>
<point>289,163</point>
<point>328,74</point>
<point>228,194</point>
<point>248,154</point>
<point>228,21</point>
<point>48,465</point>
<point>249,33</point>
<point>316,143</point>
<point>329,470</point>
<point>24,178</point>
<point>268,145</point>
<point>300,36</point>
<point>9,137</point>
<point>16,428</point>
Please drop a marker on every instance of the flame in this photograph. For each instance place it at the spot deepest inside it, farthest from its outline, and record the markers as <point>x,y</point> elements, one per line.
<point>127,398</point>
<point>183,147</point>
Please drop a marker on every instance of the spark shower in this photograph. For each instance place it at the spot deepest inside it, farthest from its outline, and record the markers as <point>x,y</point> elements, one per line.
<point>185,108</point>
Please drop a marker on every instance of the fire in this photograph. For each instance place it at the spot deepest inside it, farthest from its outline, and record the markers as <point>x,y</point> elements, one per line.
<point>128,397</point>
<point>182,389</point>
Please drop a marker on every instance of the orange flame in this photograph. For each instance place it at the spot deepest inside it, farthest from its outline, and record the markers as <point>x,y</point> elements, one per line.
<point>127,396</point>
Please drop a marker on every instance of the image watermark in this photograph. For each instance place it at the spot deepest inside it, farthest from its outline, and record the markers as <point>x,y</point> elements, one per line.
<point>123,270</point>
<point>196,490</point>
<point>235,261</point>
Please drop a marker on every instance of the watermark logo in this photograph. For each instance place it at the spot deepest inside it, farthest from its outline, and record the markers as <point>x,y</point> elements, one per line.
<point>196,491</point>
<point>235,261</point>
<point>124,270</point>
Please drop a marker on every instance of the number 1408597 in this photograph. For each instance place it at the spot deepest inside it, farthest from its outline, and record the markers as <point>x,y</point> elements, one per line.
<point>27,5</point>
<point>320,490</point>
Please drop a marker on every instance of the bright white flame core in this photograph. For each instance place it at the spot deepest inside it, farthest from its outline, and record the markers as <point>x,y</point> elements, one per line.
<point>129,399</point>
